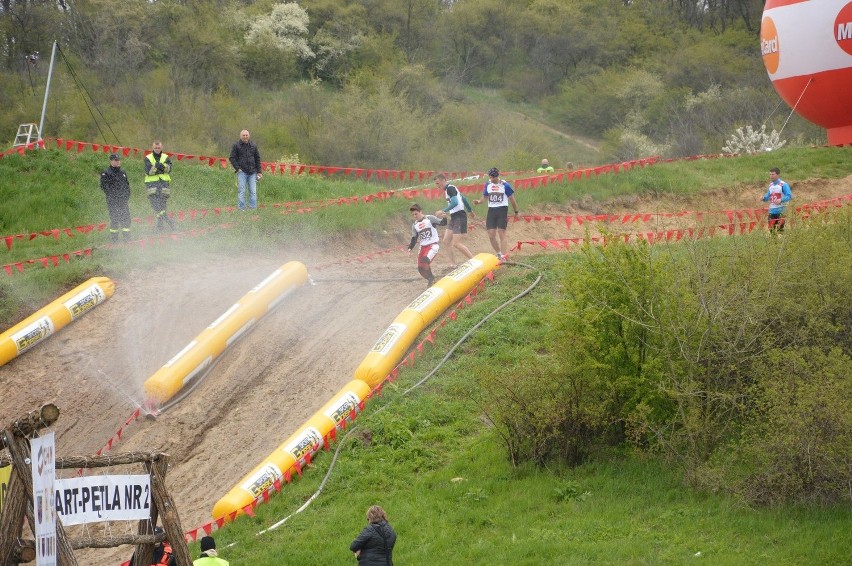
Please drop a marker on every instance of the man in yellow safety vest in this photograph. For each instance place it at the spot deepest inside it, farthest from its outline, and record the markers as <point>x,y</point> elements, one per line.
<point>158,165</point>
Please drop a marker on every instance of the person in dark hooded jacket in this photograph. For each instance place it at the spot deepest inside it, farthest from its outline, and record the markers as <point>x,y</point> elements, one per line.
<point>374,545</point>
<point>116,187</point>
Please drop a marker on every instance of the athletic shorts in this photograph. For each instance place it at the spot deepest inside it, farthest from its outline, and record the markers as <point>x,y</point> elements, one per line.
<point>458,223</point>
<point>776,220</point>
<point>498,217</point>
<point>427,254</point>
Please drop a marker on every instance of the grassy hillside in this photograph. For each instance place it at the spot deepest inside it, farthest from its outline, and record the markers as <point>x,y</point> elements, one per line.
<point>57,190</point>
<point>430,457</point>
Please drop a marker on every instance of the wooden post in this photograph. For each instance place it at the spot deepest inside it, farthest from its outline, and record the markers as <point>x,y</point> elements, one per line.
<point>165,506</point>
<point>19,449</point>
<point>12,517</point>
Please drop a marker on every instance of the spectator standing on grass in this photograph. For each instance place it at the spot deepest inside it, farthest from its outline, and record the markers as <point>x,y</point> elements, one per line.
<point>374,545</point>
<point>423,231</point>
<point>457,209</point>
<point>209,555</point>
<point>245,159</point>
<point>116,187</point>
<point>546,167</point>
<point>158,167</point>
<point>499,195</point>
<point>777,195</point>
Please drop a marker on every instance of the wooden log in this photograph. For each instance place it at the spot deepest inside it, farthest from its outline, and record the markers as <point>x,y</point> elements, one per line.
<point>12,517</point>
<point>23,551</point>
<point>113,541</point>
<point>166,506</point>
<point>34,421</point>
<point>19,449</point>
<point>77,462</point>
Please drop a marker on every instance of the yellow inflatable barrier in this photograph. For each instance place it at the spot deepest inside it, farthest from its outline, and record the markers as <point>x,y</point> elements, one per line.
<point>54,317</point>
<point>383,357</point>
<point>199,354</point>
<point>307,440</point>
<point>392,345</point>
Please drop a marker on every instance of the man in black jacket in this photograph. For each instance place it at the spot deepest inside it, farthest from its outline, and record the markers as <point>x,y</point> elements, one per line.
<point>245,159</point>
<point>116,187</point>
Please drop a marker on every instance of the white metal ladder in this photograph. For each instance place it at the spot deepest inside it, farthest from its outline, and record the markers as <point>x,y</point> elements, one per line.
<point>27,134</point>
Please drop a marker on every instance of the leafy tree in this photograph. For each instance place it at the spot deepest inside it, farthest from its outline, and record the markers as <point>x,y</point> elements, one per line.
<point>412,24</point>
<point>27,26</point>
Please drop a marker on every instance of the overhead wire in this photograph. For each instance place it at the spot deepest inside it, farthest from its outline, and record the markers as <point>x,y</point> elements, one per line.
<point>30,74</point>
<point>810,80</point>
<point>83,89</point>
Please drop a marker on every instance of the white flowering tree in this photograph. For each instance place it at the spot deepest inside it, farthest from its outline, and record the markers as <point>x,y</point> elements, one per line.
<point>285,29</point>
<point>749,140</point>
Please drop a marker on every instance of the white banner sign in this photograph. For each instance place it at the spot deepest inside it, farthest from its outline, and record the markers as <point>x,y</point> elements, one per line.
<point>43,459</point>
<point>92,499</point>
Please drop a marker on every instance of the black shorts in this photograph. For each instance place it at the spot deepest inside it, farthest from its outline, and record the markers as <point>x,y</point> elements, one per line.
<point>458,222</point>
<point>498,217</point>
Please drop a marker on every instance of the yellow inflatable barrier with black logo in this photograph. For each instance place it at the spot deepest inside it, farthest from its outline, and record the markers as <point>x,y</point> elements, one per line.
<point>383,357</point>
<point>199,354</point>
<point>400,335</point>
<point>54,316</point>
<point>305,441</point>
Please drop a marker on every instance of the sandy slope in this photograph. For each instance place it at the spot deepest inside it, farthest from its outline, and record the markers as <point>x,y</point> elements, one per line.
<point>275,377</point>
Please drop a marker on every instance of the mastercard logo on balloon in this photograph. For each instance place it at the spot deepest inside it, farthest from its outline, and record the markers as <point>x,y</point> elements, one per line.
<point>843,28</point>
<point>770,46</point>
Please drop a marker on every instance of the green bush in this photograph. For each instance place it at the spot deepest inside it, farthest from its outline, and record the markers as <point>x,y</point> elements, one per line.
<point>797,443</point>
<point>730,356</point>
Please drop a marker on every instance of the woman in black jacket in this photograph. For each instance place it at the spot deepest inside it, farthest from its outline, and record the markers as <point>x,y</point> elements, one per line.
<point>374,546</point>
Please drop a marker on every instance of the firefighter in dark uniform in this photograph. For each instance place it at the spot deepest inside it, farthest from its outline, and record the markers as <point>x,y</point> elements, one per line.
<point>116,187</point>
<point>158,165</point>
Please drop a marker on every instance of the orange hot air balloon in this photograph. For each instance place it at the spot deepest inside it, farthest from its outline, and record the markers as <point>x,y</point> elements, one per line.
<point>807,50</point>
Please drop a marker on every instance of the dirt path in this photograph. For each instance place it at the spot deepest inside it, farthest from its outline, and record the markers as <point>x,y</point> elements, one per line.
<point>275,377</point>
<point>561,134</point>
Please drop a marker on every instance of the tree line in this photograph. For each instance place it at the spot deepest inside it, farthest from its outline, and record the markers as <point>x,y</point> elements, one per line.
<point>638,77</point>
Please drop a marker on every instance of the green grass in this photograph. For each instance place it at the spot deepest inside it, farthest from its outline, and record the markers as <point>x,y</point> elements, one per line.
<point>577,148</point>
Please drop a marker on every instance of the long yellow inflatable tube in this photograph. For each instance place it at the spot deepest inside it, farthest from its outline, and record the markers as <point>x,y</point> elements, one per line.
<point>199,354</point>
<point>54,316</point>
<point>383,357</point>
<point>304,443</point>
<point>392,345</point>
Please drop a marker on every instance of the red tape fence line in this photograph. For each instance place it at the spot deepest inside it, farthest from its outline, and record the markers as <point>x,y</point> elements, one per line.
<point>301,207</point>
<point>676,234</point>
<point>223,162</point>
<point>60,259</point>
<point>754,215</point>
